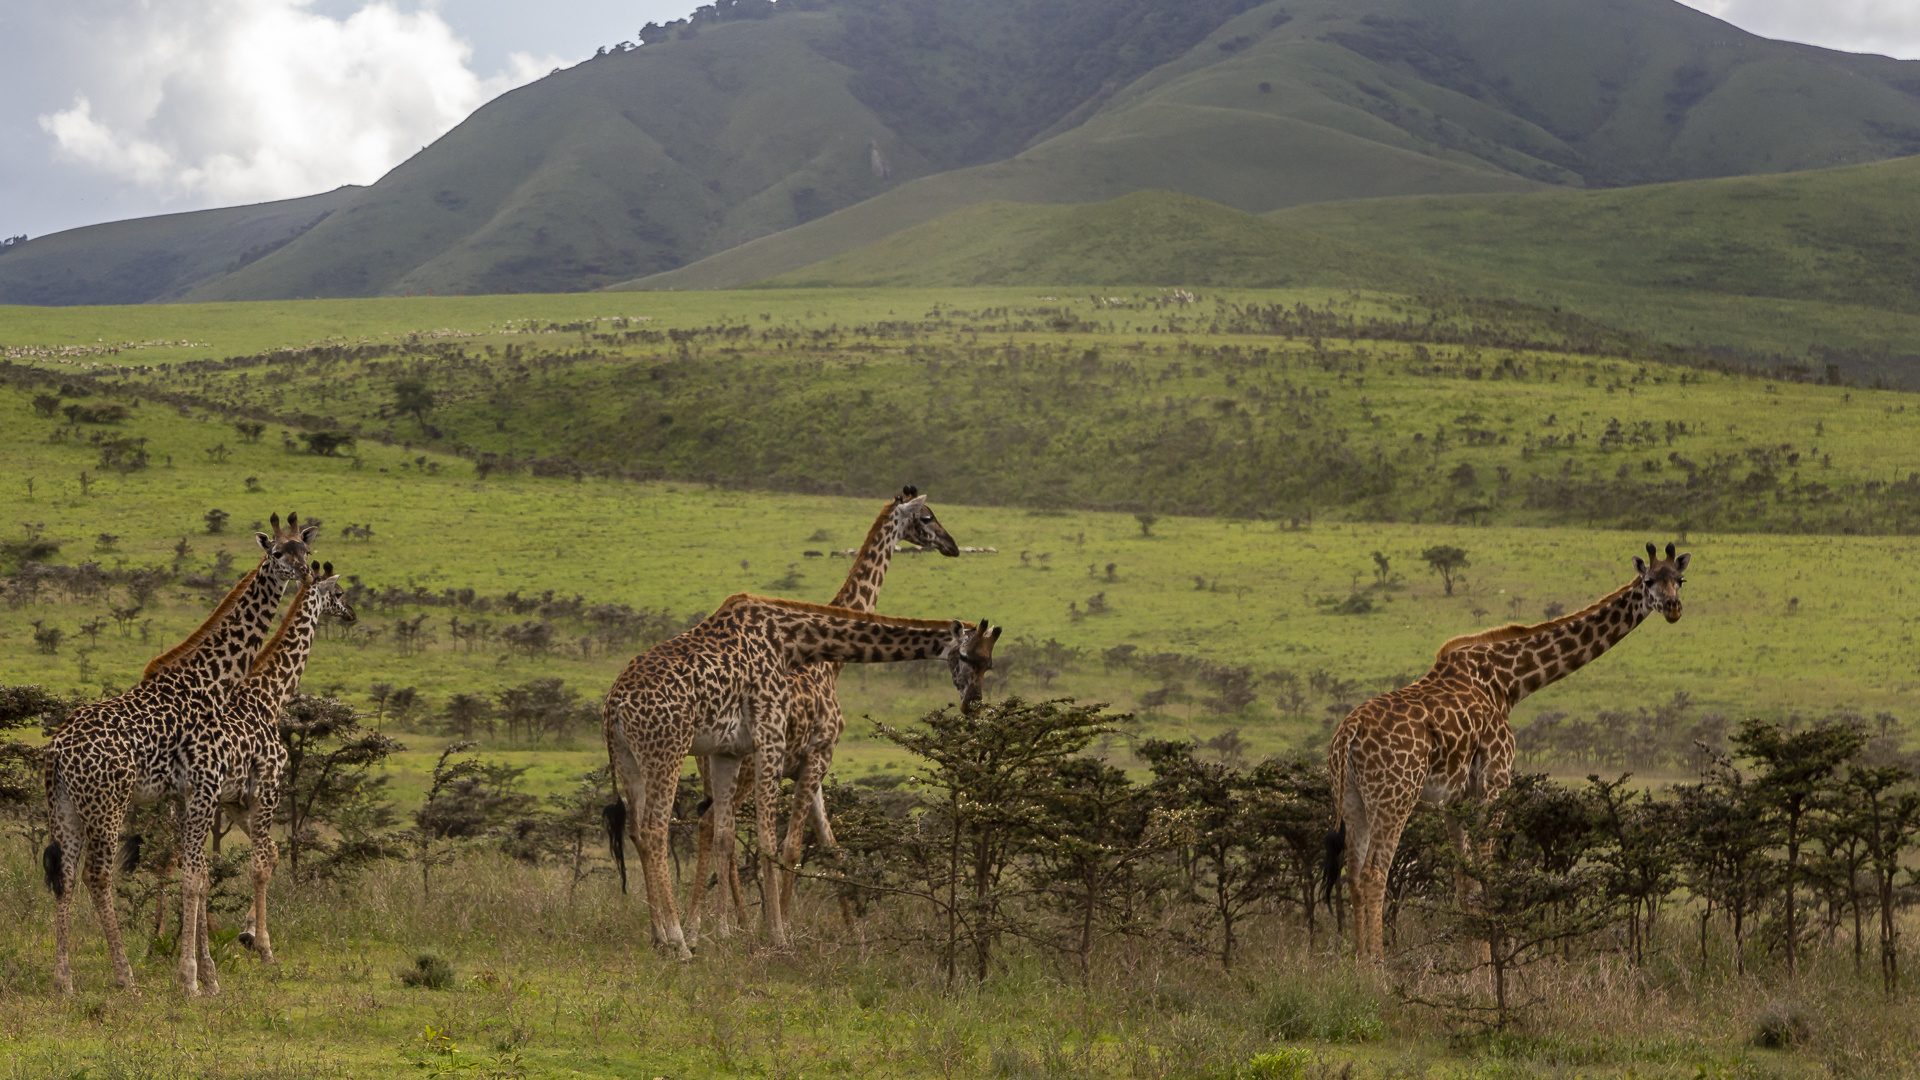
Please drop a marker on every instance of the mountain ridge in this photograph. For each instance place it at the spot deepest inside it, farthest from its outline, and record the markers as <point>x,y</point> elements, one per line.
<point>757,123</point>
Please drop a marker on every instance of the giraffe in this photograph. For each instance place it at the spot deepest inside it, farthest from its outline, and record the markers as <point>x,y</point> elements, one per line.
<point>152,742</point>
<point>724,688</point>
<point>254,758</point>
<point>814,719</point>
<point>1445,739</point>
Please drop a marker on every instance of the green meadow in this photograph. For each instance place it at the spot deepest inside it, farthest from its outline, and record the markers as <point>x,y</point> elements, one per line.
<point>542,474</point>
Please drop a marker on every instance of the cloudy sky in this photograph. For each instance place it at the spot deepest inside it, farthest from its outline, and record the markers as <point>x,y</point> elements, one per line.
<point>120,108</point>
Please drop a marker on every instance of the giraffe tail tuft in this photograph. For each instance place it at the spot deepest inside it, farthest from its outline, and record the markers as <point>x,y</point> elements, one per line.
<point>615,816</point>
<point>1330,866</point>
<point>51,865</point>
<point>130,853</point>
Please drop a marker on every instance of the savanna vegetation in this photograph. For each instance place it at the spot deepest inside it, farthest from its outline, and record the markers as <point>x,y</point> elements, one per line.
<point>1305,493</point>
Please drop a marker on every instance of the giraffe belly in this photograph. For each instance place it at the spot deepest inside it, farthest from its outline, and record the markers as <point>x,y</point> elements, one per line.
<point>732,737</point>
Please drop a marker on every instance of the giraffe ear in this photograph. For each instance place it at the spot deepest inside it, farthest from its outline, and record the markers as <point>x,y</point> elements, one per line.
<point>266,542</point>
<point>1683,560</point>
<point>1639,565</point>
<point>307,534</point>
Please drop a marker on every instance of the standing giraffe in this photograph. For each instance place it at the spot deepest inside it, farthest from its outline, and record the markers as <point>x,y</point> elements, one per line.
<point>1445,739</point>
<point>724,688</point>
<point>253,757</point>
<point>814,719</point>
<point>153,742</point>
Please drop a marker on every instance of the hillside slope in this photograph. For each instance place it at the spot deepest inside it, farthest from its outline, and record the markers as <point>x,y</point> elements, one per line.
<point>756,122</point>
<point>145,260</point>
<point>1331,101</point>
<point>1839,236</point>
<point>1147,238</point>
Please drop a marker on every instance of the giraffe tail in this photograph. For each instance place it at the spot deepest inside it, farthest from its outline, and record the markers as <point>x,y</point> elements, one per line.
<point>1336,855</point>
<point>615,816</point>
<point>50,864</point>
<point>130,853</point>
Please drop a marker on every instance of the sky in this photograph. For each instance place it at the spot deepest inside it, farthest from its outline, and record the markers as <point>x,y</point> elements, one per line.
<point>112,109</point>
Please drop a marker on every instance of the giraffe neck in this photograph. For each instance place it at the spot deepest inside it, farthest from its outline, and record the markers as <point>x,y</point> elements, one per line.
<point>276,671</point>
<point>219,654</point>
<point>861,590</point>
<point>1526,658</point>
<point>812,633</point>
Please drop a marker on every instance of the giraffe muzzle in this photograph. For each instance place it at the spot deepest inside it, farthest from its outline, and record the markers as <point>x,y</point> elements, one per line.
<point>1672,610</point>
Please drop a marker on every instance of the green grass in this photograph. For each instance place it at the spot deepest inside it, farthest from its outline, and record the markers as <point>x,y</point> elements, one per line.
<point>1232,591</point>
<point>1150,238</point>
<point>549,982</point>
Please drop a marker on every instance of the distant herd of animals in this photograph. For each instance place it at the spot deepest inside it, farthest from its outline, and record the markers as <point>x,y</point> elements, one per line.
<point>750,692</point>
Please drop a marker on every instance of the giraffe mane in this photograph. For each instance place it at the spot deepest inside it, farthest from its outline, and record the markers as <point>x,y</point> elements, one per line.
<point>179,652</point>
<point>1520,630</point>
<point>844,613</point>
<point>267,651</point>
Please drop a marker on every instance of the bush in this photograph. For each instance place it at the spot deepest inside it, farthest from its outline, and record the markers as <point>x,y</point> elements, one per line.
<point>428,971</point>
<point>1780,1025</point>
<point>1337,1014</point>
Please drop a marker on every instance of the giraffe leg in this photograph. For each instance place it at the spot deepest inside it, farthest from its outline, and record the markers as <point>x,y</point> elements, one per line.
<point>68,847</point>
<point>256,821</point>
<point>655,811</point>
<point>102,849</point>
<point>196,958</point>
<point>1466,891</point>
<point>703,854</point>
<point>741,785</point>
<point>766,800</point>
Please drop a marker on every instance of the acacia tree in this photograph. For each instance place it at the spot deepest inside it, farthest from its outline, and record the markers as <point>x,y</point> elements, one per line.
<point>1447,561</point>
<point>1099,832</point>
<point>1794,772</point>
<point>329,781</point>
<point>411,396</point>
<point>1236,860</point>
<point>1886,812</point>
<point>1726,837</point>
<point>988,773</point>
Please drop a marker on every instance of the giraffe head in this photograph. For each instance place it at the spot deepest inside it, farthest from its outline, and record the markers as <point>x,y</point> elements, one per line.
<point>914,524</point>
<point>287,549</point>
<point>1660,581</point>
<point>333,599</point>
<point>970,658</point>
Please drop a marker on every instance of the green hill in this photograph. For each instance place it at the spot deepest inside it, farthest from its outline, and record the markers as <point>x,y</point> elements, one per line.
<point>760,138</point>
<point>154,259</point>
<point>1820,264</point>
<point>1148,238</point>
<point>1837,236</point>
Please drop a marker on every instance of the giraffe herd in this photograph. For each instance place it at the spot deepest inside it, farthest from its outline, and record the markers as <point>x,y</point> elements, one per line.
<point>750,692</point>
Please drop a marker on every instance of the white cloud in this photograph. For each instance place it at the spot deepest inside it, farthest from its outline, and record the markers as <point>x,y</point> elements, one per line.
<point>1888,27</point>
<point>241,100</point>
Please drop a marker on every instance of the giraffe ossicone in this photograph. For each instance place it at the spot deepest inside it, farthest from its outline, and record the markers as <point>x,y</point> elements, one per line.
<point>1446,740</point>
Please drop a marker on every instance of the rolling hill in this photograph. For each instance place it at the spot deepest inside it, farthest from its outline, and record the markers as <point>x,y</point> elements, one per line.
<point>1147,238</point>
<point>1820,262</point>
<point>759,138</point>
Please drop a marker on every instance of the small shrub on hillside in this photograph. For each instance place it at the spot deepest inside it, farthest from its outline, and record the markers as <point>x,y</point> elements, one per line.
<point>429,972</point>
<point>1781,1025</point>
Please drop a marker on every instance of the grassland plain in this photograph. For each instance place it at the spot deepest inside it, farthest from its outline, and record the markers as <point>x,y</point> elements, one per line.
<point>549,981</point>
<point>1777,624</point>
<point>1281,404</point>
<point>555,981</point>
